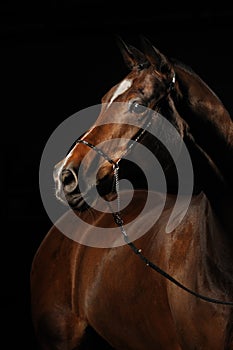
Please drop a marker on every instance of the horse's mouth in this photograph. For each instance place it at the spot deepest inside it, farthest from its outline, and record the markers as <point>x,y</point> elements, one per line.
<point>82,201</point>
<point>77,202</point>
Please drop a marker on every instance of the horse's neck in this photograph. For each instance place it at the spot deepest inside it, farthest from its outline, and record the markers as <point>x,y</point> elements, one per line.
<point>210,142</point>
<point>209,121</point>
<point>209,180</point>
<point>217,248</point>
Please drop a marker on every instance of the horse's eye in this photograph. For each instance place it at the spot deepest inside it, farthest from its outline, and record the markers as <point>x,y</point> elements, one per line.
<point>137,108</point>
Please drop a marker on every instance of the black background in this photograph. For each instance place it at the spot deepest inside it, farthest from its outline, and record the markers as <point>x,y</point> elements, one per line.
<point>58,57</point>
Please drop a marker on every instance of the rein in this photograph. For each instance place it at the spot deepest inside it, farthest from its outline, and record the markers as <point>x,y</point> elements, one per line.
<point>120,223</point>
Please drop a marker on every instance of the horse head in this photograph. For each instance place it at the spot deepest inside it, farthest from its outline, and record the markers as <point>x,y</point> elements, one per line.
<point>140,97</point>
<point>155,86</point>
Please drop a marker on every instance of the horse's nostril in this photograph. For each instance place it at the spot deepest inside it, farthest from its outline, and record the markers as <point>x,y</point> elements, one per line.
<point>69,180</point>
<point>67,176</point>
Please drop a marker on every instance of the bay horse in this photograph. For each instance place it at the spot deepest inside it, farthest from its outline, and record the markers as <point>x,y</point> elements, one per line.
<point>86,297</point>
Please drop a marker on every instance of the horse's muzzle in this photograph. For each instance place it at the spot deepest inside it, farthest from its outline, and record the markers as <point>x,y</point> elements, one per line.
<point>74,191</point>
<point>69,180</point>
<point>66,183</point>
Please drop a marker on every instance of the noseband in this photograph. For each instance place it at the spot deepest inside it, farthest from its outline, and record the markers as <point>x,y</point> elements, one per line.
<point>120,222</point>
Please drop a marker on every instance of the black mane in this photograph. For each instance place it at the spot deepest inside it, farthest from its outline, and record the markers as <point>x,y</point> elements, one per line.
<point>181,64</point>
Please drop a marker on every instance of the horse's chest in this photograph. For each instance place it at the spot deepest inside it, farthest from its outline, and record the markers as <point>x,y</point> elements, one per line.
<point>132,302</point>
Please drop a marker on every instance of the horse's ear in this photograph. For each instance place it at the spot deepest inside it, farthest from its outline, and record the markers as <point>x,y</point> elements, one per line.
<point>154,56</point>
<point>132,56</point>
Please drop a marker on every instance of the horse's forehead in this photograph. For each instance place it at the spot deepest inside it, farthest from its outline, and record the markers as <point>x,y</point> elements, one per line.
<point>141,83</point>
<point>122,87</point>
<point>147,85</point>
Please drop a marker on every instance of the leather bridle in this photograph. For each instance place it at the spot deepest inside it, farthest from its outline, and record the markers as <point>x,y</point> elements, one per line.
<point>117,216</point>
